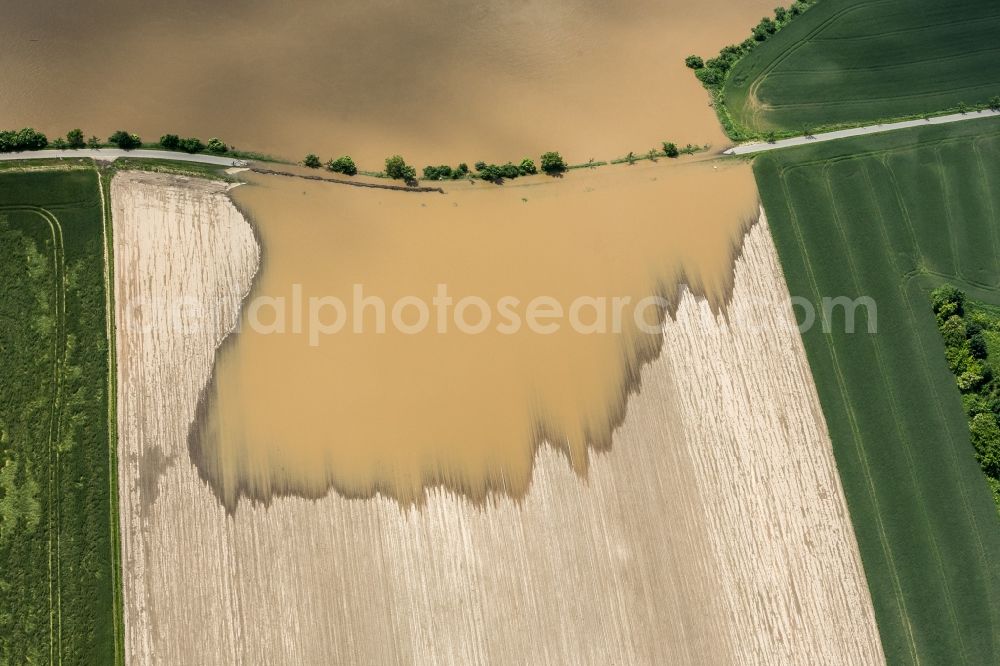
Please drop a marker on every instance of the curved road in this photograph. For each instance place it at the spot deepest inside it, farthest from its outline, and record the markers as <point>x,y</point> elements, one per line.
<point>111,154</point>
<point>751,148</point>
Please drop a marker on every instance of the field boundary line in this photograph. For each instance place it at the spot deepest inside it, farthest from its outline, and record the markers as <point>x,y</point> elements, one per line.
<point>112,400</point>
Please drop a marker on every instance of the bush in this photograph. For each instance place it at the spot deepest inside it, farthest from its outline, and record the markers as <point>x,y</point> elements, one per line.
<point>509,171</point>
<point>710,76</point>
<point>977,345</point>
<point>670,149</point>
<point>344,165</point>
<point>553,163</point>
<point>93,142</point>
<point>59,143</point>
<point>442,172</point>
<point>694,62</point>
<point>397,169</point>
<point>12,141</point>
<point>74,139</point>
<point>527,167</point>
<point>491,173</point>
<point>946,295</point>
<point>191,145</point>
<point>216,146</point>
<point>311,161</point>
<point>170,141</point>
<point>994,103</point>
<point>125,140</point>
<point>985,435</point>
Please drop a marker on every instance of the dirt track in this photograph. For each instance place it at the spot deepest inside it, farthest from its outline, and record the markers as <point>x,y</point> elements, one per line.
<point>714,531</point>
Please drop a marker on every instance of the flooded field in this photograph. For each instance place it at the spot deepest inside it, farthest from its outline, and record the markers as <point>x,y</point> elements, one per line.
<point>445,81</point>
<point>361,399</point>
<point>714,532</point>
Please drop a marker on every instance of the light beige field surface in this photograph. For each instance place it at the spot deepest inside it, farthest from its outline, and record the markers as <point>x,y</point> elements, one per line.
<point>713,531</point>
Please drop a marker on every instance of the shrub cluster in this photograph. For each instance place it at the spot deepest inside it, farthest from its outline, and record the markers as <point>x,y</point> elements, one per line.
<point>397,169</point>
<point>712,72</point>
<point>192,144</point>
<point>553,163</point>
<point>445,172</point>
<point>125,140</point>
<point>497,173</point>
<point>966,350</point>
<point>343,164</point>
<point>13,141</point>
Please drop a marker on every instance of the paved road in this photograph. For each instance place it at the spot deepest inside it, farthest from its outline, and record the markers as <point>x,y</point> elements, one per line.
<point>750,148</point>
<point>111,154</point>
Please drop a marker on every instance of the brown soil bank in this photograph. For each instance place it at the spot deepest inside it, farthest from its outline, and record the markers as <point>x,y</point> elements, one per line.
<point>290,411</point>
<point>444,81</point>
<point>714,531</point>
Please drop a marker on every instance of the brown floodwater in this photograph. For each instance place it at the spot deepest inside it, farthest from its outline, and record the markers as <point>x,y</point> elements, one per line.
<point>445,81</point>
<point>307,409</point>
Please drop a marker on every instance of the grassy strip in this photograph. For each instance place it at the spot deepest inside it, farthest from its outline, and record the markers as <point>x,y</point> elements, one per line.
<point>114,513</point>
<point>192,169</point>
<point>56,541</point>
<point>892,217</point>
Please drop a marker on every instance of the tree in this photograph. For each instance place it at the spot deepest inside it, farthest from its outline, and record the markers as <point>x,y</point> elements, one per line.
<point>985,435</point>
<point>780,14</point>
<point>977,346</point>
<point>93,142</point>
<point>397,169</point>
<point>170,141</point>
<point>710,76</point>
<point>311,160</point>
<point>509,171</point>
<point>553,163</point>
<point>946,294</point>
<point>527,167</point>
<point>670,149</point>
<point>694,62</point>
<point>344,165</point>
<point>215,145</point>
<point>191,145</point>
<point>491,173</point>
<point>125,140</point>
<point>59,143</point>
<point>963,108</point>
<point>74,138</point>
<point>994,103</point>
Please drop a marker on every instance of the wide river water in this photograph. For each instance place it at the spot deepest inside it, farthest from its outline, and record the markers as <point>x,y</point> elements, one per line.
<point>443,81</point>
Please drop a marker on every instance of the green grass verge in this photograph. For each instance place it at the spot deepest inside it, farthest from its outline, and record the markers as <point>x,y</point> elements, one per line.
<point>60,573</point>
<point>892,217</point>
<point>193,169</point>
<point>854,62</point>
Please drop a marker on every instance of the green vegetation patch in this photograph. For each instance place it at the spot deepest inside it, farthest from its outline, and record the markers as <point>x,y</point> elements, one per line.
<point>892,217</point>
<point>969,331</point>
<point>59,570</point>
<point>860,62</point>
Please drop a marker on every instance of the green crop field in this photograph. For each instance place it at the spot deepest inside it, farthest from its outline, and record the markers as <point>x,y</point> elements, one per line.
<point>891,217</point>
<point>60,597</point>
<point>860,61</point>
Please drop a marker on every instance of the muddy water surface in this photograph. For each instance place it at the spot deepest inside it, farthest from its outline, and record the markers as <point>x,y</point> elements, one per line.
<point>447,80</point>
<point>304,410</point>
